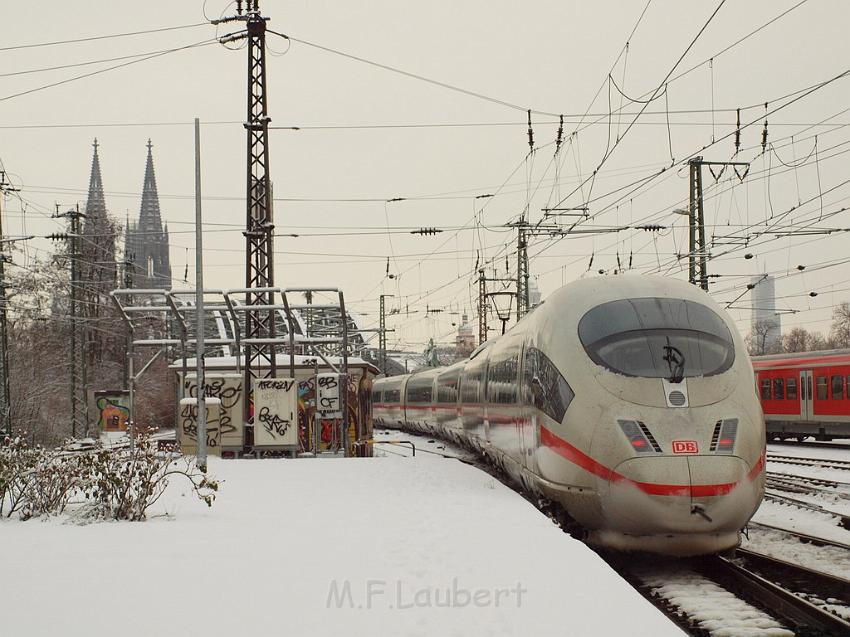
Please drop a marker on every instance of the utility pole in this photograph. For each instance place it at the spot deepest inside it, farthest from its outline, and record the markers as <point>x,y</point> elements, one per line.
<point>697,247</point>
<point>482,307</point>
<point>199,309</point>
<point>5,395</point>
<point>382,333</point>
<point>259,274</point>
<point>522,300</point>
<point>79,400</point>
<point>128,283</point>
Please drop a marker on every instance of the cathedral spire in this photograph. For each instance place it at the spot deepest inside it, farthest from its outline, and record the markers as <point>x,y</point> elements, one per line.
<point>146,240</point>
<point>149,216</point>
<point>96,202</point>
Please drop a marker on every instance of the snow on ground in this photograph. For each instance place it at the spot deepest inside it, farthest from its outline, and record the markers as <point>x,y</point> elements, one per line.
<point>828,559</point>
<point>806,521</point>
<point>320,547</point>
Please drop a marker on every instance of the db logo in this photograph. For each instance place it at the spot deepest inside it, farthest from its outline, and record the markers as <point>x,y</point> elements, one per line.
<point>685,446</point>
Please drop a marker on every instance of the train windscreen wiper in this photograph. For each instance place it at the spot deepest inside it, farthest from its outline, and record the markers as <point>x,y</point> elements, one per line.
<point>675,362</point>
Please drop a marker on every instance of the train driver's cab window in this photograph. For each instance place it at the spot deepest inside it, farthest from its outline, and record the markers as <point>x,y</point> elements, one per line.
<point>821,386</point>
<point>779,388</point>
<point>791,389</point>
<point>657,338</point>
<point>765,389</point>
<point>837,388</point>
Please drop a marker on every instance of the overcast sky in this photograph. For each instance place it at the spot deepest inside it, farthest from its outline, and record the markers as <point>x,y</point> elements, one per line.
<point>332,182</point>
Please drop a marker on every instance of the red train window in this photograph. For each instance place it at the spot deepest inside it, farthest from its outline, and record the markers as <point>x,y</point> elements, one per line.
<point>837,388</point>
<point>848,388</point>
<point>779,388</point>
<point>821,385</point>
<point>791,389</point>
<point>765,389</point>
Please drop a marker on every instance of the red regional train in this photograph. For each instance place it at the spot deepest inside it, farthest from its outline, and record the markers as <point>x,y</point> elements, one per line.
<point>806,394</point>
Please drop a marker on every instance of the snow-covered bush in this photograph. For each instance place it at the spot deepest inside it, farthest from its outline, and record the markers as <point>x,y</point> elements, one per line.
<point>123,486</point>
<point>17,463</point>
<point>120,484</point>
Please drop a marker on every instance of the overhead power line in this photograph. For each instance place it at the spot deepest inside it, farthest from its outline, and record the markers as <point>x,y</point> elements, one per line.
<point>101,37</point>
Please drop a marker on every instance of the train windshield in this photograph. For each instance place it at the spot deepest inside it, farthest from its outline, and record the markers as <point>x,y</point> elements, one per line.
<point>657,338</point>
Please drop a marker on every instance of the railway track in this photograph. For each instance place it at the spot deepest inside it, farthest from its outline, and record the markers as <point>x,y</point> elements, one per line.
<point>843,520</point>
<point>824,463</point>
<point>795,484</point>
<point>802,597</point>
<point>802,537</point>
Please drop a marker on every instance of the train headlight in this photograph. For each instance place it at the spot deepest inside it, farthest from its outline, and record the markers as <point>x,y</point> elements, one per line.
<point>724,436</point>
<point>640,438</point>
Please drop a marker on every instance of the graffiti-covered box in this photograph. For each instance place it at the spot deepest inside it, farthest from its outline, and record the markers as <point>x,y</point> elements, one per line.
<point>113,409</point>
<point>226,419</point>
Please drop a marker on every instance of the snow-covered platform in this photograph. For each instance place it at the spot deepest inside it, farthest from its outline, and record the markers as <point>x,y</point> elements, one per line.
<point>381,546</point>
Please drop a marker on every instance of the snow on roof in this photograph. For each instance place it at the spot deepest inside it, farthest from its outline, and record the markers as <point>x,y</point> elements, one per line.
<point>282,360</point>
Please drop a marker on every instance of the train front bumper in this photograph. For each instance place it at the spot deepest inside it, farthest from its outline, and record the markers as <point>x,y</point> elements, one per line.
<point>700,498</point>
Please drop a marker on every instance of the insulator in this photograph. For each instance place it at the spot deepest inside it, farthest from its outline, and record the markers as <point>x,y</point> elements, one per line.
<point>738,132</point>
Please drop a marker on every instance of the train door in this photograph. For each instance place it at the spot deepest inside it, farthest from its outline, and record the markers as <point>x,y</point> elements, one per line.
<point>806,396</point>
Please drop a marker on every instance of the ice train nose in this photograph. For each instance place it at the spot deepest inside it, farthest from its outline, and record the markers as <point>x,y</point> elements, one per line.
<point>687,494</point>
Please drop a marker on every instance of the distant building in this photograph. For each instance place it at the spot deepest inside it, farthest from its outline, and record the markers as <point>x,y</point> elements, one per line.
<point>146,252</point>
<point>465,339</point>
<point>534,295</point>
<point>766,327</point>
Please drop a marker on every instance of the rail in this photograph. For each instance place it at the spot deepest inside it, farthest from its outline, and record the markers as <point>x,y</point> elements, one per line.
<point>778,599</point>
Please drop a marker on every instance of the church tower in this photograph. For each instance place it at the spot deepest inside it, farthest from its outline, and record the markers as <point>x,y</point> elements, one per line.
<point>98,244</point>
<point>146,247</point>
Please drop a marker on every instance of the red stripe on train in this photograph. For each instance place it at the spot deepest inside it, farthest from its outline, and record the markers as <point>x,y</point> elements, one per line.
<point>578,457</point>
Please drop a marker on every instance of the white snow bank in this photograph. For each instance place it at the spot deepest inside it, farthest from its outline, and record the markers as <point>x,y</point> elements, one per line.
<point>320,547</point>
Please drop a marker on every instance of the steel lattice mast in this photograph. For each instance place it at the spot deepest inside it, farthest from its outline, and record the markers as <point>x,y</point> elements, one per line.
<point>259,273</point>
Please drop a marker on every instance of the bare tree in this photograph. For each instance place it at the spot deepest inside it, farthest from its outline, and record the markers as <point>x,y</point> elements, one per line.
<point>761,341</point>
<point>840,331</point>
<point>818,342</point>
<point>797,340</point>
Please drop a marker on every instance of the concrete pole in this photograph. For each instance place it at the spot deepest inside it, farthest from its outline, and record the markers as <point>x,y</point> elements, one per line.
<point>199,307</point>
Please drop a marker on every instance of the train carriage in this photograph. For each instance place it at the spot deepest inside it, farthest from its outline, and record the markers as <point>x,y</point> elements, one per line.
<point>805,394</point>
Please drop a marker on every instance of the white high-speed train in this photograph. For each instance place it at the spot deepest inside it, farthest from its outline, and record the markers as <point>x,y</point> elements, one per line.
<point>628,399</point>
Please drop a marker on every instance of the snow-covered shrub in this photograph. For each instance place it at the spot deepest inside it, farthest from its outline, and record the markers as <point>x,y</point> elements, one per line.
<point>120,484</point>
<point>17,463</point>
<point>55,479</point>
<point>124,485</point>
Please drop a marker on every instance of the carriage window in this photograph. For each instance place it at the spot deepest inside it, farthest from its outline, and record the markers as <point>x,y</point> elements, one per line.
<point>392,395</point>
<point>779,388</point>
<point>837,388</point>
<point>765,389</point>
<point>376,395</point>
<point>544,386</point>
<point>419,390</point>
<point>791,389</point>
<point>637,337</point>
<point>821,385</point>
<point>447,387</point>
<point>502,380</point>
<point>848,388</point>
